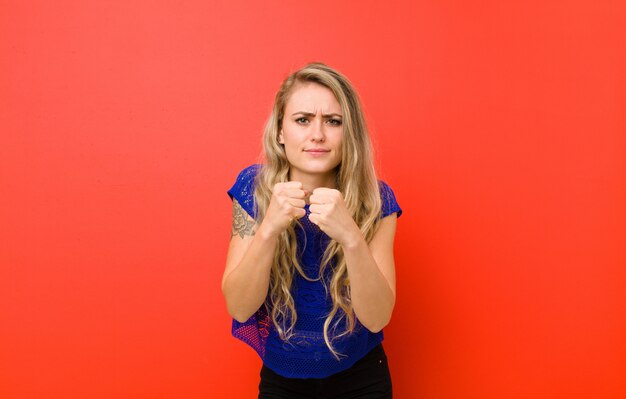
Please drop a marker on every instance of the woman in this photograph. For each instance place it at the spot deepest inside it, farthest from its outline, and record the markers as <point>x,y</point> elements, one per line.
<point>309,276</point>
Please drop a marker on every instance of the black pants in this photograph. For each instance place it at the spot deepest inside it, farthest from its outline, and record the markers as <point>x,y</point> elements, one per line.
<point>369,378</point>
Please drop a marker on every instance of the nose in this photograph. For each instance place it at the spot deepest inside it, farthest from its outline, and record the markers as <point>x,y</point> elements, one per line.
<point>317,134</point>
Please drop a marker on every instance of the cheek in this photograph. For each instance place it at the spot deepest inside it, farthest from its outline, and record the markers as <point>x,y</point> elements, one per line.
<point>339,140</point>
<point>291,142</point>
<point>290,145</point>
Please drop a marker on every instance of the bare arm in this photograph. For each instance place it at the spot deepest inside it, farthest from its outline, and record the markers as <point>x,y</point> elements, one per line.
<point>251,250</point>
<point>370,267</point>
<point>246,277</point>
<point>372,275</point>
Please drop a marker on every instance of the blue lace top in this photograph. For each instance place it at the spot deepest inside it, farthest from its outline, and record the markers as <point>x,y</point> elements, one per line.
<point>305,355</point>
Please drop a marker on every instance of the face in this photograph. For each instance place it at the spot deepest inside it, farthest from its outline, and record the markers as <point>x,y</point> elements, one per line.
<point>312,131</point>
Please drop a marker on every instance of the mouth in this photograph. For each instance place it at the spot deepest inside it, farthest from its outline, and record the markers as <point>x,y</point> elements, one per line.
<point>317,152</point>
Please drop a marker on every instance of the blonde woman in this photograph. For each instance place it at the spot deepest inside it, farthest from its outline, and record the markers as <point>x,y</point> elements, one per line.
<point>310,278</point>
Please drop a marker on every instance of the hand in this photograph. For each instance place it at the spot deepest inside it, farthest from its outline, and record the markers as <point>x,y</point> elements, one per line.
<point>287,203</point>
<point>329,212</point>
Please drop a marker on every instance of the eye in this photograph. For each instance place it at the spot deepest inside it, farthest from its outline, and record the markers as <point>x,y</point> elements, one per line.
<point>335,122</point>
<point>302,120</point>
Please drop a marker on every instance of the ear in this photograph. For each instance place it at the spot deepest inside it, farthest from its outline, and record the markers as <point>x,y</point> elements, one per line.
<point>280,137</point>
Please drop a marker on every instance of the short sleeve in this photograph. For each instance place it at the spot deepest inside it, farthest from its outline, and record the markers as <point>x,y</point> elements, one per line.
<point>389,203</point>
<point>243,189</point>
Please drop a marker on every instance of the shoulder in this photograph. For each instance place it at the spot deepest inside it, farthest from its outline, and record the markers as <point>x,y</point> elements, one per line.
<point>243,188</point>
<point>249,173</point>
<point>246,178</point>
<point>389,203</point>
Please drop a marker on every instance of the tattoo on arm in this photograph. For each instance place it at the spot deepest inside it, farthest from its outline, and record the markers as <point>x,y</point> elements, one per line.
<point>243,225</point>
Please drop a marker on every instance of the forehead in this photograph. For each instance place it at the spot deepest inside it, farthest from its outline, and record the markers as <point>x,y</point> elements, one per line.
<point>311,97</point>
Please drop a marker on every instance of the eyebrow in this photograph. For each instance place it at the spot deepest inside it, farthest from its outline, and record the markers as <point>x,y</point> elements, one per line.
<point>312,114</point>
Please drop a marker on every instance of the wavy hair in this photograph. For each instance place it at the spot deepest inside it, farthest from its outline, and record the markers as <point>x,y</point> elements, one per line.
<point>356,180</point>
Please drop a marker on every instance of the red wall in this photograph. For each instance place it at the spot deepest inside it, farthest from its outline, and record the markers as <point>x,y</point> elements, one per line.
<point>500,126</point>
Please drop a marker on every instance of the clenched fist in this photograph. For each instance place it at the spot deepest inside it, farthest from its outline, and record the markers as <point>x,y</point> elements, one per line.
<point>287,203</point>
<point>329,212</point>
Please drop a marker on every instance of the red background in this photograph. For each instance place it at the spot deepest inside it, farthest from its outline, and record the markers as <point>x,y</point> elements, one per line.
<point>500,126</point>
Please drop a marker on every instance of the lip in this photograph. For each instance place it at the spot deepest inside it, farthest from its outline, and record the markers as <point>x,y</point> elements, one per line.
<point>317,152</point>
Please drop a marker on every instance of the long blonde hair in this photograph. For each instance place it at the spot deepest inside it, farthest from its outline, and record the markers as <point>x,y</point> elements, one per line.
<point>356,180</point>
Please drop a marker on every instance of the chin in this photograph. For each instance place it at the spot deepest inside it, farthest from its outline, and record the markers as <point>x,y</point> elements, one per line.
<point>320,168</point>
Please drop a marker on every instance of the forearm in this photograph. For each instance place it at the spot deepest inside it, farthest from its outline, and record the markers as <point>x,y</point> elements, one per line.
<point>372,297</point>
<point>245,288</point>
